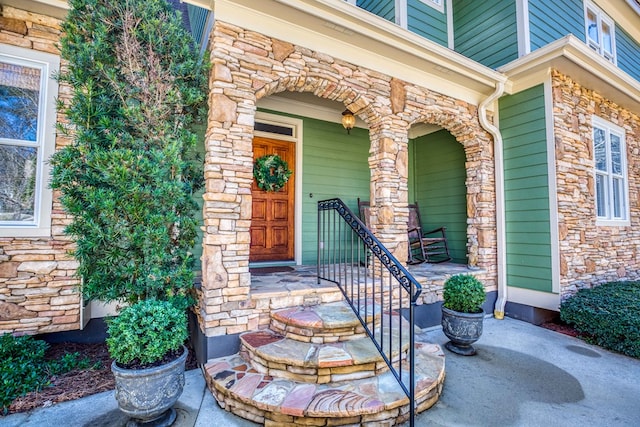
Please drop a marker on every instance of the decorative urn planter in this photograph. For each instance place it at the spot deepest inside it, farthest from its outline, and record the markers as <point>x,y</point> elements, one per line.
<point>148,395</point>
<point>463,329</point>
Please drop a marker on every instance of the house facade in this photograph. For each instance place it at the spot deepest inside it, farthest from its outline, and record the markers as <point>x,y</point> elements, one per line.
<point>511,124</point>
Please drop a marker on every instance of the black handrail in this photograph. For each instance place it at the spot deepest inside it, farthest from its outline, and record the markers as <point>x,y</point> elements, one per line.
<point>350,256</point>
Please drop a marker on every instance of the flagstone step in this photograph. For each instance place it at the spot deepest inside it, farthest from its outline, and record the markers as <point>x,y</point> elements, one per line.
<point>373,401</point>
<point>272,354</point>
<point>324,323</point>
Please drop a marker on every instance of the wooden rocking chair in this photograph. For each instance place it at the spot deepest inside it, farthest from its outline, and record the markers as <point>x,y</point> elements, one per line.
<point>364,212</point>
<point>430,246</point>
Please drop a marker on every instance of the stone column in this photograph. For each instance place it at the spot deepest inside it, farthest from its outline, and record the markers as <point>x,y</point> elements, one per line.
<point>224,296</point>
<point>389,177</point>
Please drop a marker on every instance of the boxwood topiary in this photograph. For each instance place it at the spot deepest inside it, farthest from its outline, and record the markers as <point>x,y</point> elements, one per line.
<point>146,332</point>
<point>464,293</point>
<point>607,315</point>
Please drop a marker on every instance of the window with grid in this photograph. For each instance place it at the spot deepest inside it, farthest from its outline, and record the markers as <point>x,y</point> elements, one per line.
<point>27,138</point>
<point>600,30</point>
<point>610,171</point>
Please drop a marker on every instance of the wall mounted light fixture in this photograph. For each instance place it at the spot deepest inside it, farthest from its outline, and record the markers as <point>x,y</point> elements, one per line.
<point>348,120</point>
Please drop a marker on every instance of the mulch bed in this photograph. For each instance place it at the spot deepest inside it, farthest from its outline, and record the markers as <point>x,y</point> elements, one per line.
<point>77,383</point>
<point>561,327</point>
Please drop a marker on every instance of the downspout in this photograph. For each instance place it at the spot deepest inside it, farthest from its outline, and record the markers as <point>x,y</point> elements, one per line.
<point>501,301</point>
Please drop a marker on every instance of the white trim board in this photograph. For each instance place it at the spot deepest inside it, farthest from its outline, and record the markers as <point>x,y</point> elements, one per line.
<point>546,300</point>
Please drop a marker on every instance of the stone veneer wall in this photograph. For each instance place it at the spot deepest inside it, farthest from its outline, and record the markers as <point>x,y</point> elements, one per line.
<point>247,66</point>
<point>38,292</point>
<point>591,254</point>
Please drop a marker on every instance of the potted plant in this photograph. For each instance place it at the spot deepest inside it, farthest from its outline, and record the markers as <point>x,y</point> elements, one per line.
<point>462,313</point>
<point>146,341</point>
<point>126,177</point>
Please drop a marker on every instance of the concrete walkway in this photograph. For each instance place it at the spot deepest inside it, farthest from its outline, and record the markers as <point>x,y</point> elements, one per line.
<point>523,375</point>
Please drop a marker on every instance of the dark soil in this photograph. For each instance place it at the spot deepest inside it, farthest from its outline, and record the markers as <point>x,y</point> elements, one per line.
<point>559,326</point>
<point>77,383</point>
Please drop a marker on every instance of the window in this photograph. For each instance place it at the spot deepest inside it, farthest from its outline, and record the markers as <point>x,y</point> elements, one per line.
<point>600,30</point>
<point>436,4</point>
<point>27,139</point>
<point>610,171</point>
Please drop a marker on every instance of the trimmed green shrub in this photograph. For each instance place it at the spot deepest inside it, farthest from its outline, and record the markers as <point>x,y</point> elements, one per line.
<point>23,367</point>
<point>464,293</point>
<point>127,178</point>
<point>143,333</point>
<point>607,315</point>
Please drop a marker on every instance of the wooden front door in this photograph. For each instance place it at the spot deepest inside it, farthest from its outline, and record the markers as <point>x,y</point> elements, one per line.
<point>272,220</point>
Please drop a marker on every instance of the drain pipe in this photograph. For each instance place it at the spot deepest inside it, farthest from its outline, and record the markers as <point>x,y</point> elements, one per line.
<point>498,310</point>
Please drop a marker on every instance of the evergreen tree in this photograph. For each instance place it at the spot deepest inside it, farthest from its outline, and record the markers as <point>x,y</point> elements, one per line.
<point>127,179</point>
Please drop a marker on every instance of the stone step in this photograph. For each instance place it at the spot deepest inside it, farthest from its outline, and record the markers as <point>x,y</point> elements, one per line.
<point>373,401</point>
<point>323,323</point>
<point>272,354</point>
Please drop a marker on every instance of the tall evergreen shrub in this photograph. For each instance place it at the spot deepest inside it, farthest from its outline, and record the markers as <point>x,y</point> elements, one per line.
<point>127,177</point>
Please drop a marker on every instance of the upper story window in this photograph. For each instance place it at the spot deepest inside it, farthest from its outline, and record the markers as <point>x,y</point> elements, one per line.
<point>600,30</point>
<point>436,4</point>
<point>610,172</point>
<point>27,139</point>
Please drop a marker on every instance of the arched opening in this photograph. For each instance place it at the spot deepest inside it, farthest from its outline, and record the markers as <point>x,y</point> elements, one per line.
<point>437,176</point>
<point>330,162</point>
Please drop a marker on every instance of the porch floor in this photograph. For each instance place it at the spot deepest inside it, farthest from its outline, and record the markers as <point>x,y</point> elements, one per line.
<point>301,279</point>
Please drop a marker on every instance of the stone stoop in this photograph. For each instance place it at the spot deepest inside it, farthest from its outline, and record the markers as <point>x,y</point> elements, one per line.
<point>298,373</point>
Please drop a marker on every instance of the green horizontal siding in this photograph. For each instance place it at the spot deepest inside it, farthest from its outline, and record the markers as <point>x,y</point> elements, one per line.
<point>546,24</point>
<point>437,183</point>
<point>628,53</point>
<point>382,8</point>
<point>335,164</point>
<point>427,21</point>
<point>527,213</point>
<point>486,31</point>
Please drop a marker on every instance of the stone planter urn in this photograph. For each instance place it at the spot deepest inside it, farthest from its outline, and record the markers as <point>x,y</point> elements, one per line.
<point>148,395</point>
<point>463,329</point>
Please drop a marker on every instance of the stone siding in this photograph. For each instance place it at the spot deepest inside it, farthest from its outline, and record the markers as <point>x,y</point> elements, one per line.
<point>591,254</point>
<point>247,66</point>
<point>38,290</point>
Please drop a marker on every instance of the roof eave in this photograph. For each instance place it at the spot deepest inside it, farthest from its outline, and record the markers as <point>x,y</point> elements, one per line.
<point>571,56</point>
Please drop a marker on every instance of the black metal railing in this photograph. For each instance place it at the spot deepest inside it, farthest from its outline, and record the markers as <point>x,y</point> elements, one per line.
<point>373,282</point>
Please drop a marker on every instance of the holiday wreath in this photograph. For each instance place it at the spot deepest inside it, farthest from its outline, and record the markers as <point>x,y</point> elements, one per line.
<point>271,172</point>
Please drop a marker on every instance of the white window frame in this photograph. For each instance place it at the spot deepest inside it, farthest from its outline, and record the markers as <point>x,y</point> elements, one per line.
<point>401,13</point>
<point>609,219</point>
<point>49,65</point>
<point>401,9</point>
<point>598,45</point>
